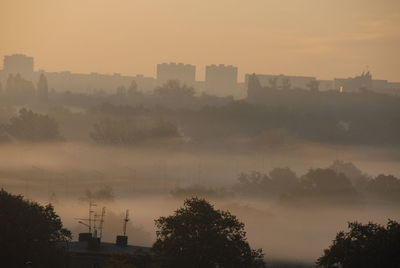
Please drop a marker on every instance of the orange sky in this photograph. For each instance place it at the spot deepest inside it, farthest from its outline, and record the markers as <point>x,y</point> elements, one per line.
<point>323,38</point>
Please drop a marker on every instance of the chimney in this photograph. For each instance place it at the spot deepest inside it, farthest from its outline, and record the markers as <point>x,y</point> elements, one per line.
<point>84,237</point>
<point>122,241</point>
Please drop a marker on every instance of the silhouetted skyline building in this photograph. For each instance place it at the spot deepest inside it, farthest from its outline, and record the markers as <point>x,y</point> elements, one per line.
<point>18,64</point>
<point>221,78</point>
<point>268,80</point>
<point>364,82</point>
<point>185,73</point>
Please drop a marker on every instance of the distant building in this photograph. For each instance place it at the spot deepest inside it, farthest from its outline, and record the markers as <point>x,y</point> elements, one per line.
<point>93,82</point>
<point>18,64</point>
<point>325,85</point>
<point>185,73</point>
<point>221,79</point>
<point>364,82</point>
<point>358,83</point>
<point>266,80</point>
<point>73,82</point>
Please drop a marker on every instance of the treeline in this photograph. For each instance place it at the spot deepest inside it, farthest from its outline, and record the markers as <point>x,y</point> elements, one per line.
<point>281,116</point>
<point>340,120</point>
<point>339,184</point>
<point>105,128</point>
<point>31,127</point>
<point>172,94</point>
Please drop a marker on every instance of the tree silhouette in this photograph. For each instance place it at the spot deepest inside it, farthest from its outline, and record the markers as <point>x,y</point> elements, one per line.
<point>313,85</point>
<point>364,245</point>
<point>130,131</point>
<point>173,89</point>
<point>29,233</point>
<point>327,181</point>
<point>42,88</point>
<point>30,126</point>
<point>286,84</point>
<point>386,187</point>
<point>198,235</point>
<point>132,89</point>
<point>273,82</point>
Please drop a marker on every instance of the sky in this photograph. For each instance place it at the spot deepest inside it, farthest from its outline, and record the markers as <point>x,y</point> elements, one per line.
<point>322,38</point>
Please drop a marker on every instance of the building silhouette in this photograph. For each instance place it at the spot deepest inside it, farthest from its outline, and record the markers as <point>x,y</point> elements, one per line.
<point>18,64</point>
<point>364,82</point>
<point>300,82</point>
<point>221,79</point>
<point>184,73</point>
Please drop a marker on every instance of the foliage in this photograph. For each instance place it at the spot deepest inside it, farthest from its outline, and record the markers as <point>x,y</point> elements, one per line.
<point>321,185</point>
<point>364,245</point>
<point>30,126</point>
<point>386,187</point>
<point>279,181</point>
<point>174,89</point>
<point>356,176</point>
<point>29,232</point>
<point>286,84</point>
<point>326,181</point>
<point>198,235</point>
<point>18,87</point>
<point>42,88</point>
<point>131,131</point>
<point>313,85</point>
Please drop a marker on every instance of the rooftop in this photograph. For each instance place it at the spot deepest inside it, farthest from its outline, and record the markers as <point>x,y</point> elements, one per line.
<point>105,248</point>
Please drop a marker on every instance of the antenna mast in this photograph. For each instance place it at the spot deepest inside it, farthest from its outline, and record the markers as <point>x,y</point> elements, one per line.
<point>103,212</point>
<point>95,218</point>
<point>91,204</point>
<point>126,221</point>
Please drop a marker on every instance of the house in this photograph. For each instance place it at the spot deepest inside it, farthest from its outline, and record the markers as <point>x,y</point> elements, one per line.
<point>90,252</point>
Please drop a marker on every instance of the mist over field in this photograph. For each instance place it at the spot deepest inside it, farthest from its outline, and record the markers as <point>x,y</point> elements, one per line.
<point>143,180</point>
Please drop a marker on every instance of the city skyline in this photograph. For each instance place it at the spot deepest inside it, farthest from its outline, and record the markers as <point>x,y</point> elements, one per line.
<point>200,71</point>
<point>220,79</point>
<point>321,38</point>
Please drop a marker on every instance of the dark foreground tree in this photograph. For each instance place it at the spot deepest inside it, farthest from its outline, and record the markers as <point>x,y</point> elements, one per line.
<point>364,245</point>
<point>30,232</point>
<point>198,235</point>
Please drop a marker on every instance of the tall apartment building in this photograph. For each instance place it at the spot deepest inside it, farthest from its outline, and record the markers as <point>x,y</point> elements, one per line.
<point>221,79</point>
<point>18,63</point>
<point>185,73</point>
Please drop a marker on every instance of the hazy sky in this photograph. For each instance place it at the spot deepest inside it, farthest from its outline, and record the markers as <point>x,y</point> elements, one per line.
<point>323,38</point>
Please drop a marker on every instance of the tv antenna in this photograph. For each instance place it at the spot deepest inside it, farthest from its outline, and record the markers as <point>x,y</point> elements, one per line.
<point>103,213</point>
<point>91,211</point>
<point>89,220</point>
<point>126,221</point>
<point>95,218</point>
